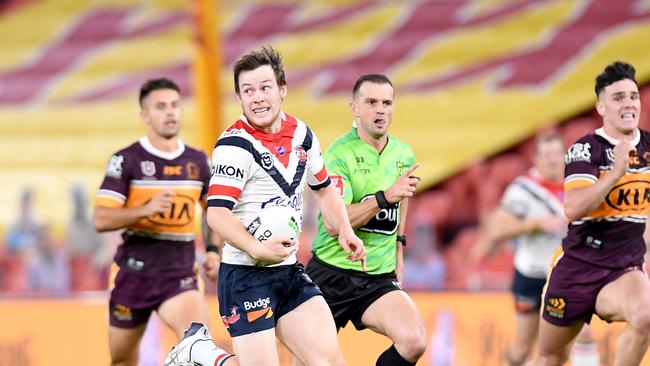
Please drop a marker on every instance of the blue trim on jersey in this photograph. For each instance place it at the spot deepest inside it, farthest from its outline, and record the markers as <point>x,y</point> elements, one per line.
<point>321,185</point>
<point>288,189</point>
<point>221,203</point>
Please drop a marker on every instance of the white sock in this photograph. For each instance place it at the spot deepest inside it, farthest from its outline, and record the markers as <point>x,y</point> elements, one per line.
<point>585,354</point>
<point>206,353</point>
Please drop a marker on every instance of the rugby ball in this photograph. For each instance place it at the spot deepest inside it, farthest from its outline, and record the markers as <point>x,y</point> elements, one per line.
<point>275,221</point>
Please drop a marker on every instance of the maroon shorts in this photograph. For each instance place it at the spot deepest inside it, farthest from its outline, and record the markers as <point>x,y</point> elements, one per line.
<point>134,296</point>
<point>572,289</point>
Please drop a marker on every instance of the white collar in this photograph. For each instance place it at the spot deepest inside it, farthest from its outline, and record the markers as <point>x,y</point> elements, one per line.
<point>601,132</point>
<point>148,146</point>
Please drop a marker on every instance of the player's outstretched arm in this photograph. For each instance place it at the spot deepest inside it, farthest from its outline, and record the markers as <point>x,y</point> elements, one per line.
<point>113,218</point>
<point>231,230</point>
<point>334,213</point>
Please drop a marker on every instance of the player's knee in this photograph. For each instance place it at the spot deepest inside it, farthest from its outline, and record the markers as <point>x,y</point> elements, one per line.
<point>640,321</point>
<point>411,346</point>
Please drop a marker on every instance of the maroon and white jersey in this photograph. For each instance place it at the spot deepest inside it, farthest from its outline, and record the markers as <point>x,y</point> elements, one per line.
<point>611,235</point>
<point>162,244</point>
<point>252,169</point>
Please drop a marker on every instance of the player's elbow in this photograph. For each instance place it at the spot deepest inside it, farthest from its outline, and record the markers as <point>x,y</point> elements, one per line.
<point>99,223</point>
<point>329,228</point>
<point>572,214</point>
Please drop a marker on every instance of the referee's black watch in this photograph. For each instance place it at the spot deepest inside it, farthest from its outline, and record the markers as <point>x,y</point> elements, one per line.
<point>401,239</point>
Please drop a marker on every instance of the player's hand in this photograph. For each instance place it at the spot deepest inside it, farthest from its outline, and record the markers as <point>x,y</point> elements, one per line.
<point>622,153</point>
<point>159,203</point>
<point>555,225</point>
<point>404,186</point>
<point>353,247</point>
<point>274,250</point>
<point>211,265</point>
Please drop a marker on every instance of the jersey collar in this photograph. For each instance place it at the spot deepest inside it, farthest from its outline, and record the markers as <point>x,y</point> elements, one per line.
<point>635,141</point>
<point>148,146</point>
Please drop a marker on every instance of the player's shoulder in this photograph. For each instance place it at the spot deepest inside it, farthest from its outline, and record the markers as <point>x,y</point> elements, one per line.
<point>400,145</point>
<point>344,142</point>
<point>130,150</point>
<point>586,148</point>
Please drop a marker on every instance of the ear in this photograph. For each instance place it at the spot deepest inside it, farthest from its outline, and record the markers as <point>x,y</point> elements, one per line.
<point>354,109</point>
<point>284,91</point>
<point>143,116</point>
<point>600,108</point>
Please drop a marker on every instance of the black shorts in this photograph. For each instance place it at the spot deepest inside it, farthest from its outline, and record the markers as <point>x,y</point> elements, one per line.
<point>527,292</point>
<point>349,293</point>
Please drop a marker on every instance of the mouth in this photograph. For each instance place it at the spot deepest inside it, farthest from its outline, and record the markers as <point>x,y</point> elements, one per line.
<point>628,116</point>
<point>260,111</point>
<point>170,123</point>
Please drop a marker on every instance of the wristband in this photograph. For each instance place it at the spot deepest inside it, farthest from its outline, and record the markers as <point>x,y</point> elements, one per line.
<point>401,239</point>
<point>213,248</point>
<point>382,202</point>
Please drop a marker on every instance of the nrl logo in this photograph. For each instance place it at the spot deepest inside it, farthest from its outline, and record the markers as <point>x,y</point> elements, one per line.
<point>148,168</point>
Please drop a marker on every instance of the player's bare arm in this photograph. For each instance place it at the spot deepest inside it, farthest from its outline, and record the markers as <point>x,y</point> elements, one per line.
<point>360,213</point>
<point>214,247</point>
<point>333,210</point>
<point>113,218</point>
<point>578,202</point>
<point>230,229</point>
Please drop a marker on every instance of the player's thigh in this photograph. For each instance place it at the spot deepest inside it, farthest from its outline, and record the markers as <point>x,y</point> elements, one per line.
<point>394,315</point>
<point>555,341</point>
<point>180,310</point>
<point>308,331</point>
<point>124,344</point>
<point>624,298</point>
<point>256,349</point>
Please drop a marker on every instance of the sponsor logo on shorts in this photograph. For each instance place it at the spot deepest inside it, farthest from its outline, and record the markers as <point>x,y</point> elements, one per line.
<point>122,313</point>
<point>232,318</point>
<point>556,306</point>
<point>187,283</point>
<point>258,309</point>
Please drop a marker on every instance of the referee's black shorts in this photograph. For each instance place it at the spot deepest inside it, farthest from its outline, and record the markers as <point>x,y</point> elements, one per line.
<point>349,293</point>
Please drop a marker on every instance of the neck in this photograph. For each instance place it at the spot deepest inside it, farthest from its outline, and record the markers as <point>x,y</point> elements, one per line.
<point>377,143</point>
<point>618,134</point>
<point>162,143</point>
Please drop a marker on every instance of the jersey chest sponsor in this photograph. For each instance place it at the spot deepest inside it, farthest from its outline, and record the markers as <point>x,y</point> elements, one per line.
<point>384,222</point>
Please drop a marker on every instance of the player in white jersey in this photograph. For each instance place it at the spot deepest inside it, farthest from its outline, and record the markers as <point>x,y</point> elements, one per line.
<point>532,213</point>
<point>264,159</point>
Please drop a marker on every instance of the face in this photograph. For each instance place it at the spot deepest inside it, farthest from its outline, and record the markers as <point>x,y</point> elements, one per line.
<point>261,98</point>
<point>549,160</point>
<point>162,111</point>
<point>620,107</point>
<point>373,109</point>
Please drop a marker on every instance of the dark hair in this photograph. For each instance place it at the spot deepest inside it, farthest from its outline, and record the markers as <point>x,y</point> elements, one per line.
<point>371,78</point>
<point>545,137</point>
<point>156,84</point>
<point>614,72</point>
<point>255,59</point>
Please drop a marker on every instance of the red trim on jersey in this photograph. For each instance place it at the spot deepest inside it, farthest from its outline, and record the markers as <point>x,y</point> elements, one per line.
<point>220,190</point>
<point>322,175</point>
<point>279,143</point>
<point>220,358</point>
<point>557,189</point>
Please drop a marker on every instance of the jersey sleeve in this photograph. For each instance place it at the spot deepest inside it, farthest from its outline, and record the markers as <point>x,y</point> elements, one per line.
<point>581,164</point>
<point>114,189</point>
<point>317,177</point>
<point>231,164</point>
<point>337,167</point>
<point>515,201</point>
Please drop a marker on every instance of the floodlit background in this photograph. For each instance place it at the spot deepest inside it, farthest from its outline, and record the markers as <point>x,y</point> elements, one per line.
<point>475,80</point>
